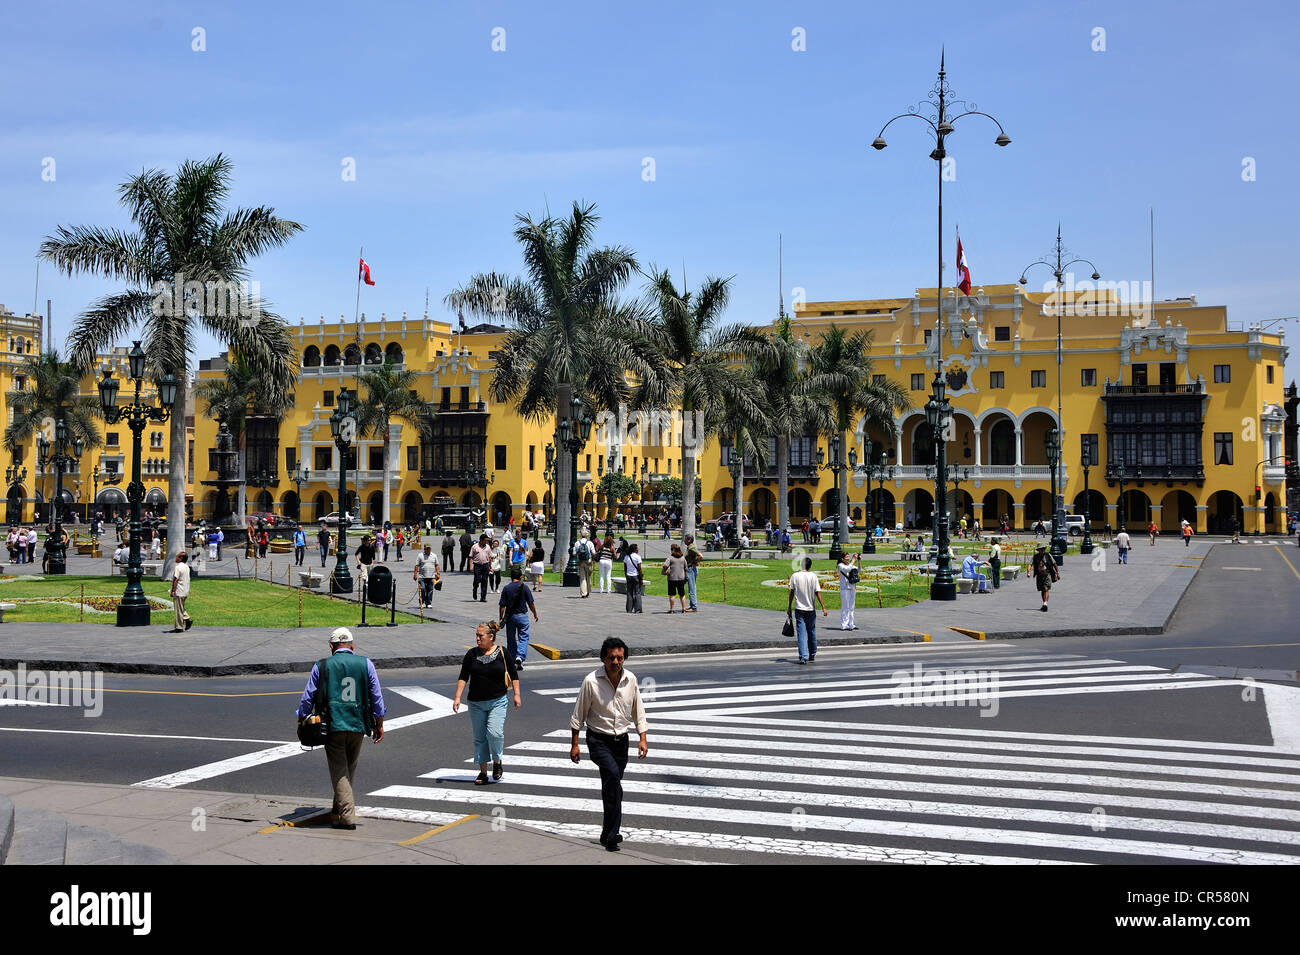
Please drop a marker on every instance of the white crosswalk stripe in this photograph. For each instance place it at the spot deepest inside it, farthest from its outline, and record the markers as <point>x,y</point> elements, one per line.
<point>727,772</point>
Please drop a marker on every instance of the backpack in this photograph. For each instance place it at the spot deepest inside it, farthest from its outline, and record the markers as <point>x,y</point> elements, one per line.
<point>853,575</point>
<point>584,550</point>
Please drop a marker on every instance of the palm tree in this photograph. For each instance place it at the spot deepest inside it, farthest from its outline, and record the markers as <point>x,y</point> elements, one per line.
<point>53,392</point>
<point>698,373</point>
<point>391,396</point>
<point>780,363</point>
<point>743,424</point>
<point>180,266</point>
<point>243,391</point>
<point>841,380</point>
<point>572,335</point>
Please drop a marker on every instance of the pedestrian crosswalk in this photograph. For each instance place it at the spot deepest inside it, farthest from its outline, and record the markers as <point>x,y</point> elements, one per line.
<point>769,768</point>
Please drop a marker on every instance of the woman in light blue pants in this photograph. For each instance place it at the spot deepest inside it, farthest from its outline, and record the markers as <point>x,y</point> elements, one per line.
<point>491,677</point>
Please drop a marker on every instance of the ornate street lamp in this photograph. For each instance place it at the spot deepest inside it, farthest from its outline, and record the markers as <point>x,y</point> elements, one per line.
<point>574,432</point>
<point>476,477</point>
<point>1053,445</point>
<point>343,426</point>
<point>1087,462</point>
<point>61,455</point>
<point>870,467</point>
<point>549,474</point>
<point>937,411</point>
<point>645,479</point>
<point>941,125</point>
<point>735,464</point>
<point>300,477</point>
<point>133,611</point>
<point>837,467</point>
<point>1119,476</point>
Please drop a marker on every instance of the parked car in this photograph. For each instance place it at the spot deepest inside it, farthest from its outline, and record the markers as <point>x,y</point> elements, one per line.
<point>828,524</point>
<point>1074,524</point>
<point>332,519</point>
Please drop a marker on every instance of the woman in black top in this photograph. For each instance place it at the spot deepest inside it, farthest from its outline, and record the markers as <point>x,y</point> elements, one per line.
<point>491,677</point>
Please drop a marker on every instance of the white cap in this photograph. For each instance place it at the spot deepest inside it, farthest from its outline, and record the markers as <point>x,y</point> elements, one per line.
<point>341,635</point>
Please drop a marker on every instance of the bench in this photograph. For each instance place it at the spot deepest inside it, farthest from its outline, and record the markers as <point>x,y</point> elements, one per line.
<point>964,585</point>
<point>4,607</point>
<point>1011,572</point>
<point>912,554</point>
<point>154,567</point>
<point>310,579</point>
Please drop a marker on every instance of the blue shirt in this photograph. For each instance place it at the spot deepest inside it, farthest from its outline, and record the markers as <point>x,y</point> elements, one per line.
<point>376,694</point>
<point>519,551</point>
<point>299,538</point>
<point>970,566</point>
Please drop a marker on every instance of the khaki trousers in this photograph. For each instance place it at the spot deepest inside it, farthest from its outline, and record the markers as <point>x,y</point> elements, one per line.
<point>584,577</point>
<point>181,615</point>
<point>342,750</point>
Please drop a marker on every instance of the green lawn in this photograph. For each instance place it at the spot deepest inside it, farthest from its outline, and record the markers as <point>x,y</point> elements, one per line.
<point>212,601</point>
<point>899,584</point>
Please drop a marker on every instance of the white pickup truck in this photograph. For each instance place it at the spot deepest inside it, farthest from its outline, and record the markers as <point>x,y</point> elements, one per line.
<point>1074,524</point>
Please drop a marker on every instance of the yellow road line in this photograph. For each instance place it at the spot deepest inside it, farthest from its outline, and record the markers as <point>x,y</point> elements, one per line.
<point>976,634</point>
<point>191,693</point>
<point>1288,562</point>
<point>434,832</point>
<point>549,652</point>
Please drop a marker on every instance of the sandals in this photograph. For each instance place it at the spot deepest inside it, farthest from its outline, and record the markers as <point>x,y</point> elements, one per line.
<point>481,779</point>
<point>497,771</point>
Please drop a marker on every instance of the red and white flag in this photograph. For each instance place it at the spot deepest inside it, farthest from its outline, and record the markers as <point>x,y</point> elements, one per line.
<point>364,273</point>
<point>963,269</point>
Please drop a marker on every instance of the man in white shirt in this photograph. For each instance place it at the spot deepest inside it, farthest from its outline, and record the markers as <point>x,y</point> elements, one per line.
<point>632,579</point>
<point>180,590</point>
<point>1122,544</point>
<point>804,587</point>
<point>609,702</point>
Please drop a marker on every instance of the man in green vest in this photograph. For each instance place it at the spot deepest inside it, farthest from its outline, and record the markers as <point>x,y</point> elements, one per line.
<point>352,704</point>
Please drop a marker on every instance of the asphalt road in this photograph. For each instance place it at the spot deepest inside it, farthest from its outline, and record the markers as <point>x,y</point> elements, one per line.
<point>1122,749</point>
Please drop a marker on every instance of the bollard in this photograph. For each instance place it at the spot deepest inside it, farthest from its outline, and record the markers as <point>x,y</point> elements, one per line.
<point>392,615</point>
<point>724,584</point>
<point>300,607</point>
<point>83,603</point>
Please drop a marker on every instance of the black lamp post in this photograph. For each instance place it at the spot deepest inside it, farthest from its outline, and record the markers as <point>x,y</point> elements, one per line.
<point>133,611</point>
<point>734,464</point>
<point>937,411</point>
<point>477,477</point>
<point>645,479</point>
<point>1057,262</point>
<point>1119,476</point>
<point>1086,546</point>
<point>837,467</point>
<point>343,426</point>
<point>57,455</point>
<point>941,125</point>
<point>1053,445</point>
<point>16,475</point>
<point>549,474</point>
<point>871,468</point>
<point>299,478</point>
<point>574,432</point>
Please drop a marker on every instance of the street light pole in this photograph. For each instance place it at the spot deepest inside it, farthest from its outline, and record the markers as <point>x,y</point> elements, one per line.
<point>1086,547</point>
<point>343,426</point>
<point>58,456</point>
<point>943,586</point>
<point>836,467</point>
<point>1056,261</point>
<point>133,610</point>
<point>574,432</point>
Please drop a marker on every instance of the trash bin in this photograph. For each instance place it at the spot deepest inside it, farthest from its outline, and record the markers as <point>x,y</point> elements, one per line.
<point>380,589</point>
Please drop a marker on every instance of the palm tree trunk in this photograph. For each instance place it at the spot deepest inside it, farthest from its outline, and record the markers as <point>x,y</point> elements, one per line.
<point>843,519</point>
<point>688,475</point>
<point>388,479</point>
<point>783,481</point>
<point>738,491</point>
<point>241,490</point>
<point>176,480</point>
<point>563,482</point>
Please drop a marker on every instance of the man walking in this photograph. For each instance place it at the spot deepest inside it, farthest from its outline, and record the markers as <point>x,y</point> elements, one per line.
<point>299,546</point>
<point>480,558</point>
<point>1045,573</point>
<point>632,579</point>
<point>425,573</point>
<point>448,550</point>
<point>353,708</point>
<point>584,552</point>
<point>466,542</point>
<point>323,541</point>
<point>513,608</point>
<point>804,587</point>
<point>693,561</point>
<point>365,555</point>
<point>609,703</point>
<point>1122,544</point>
<point>180,590</point>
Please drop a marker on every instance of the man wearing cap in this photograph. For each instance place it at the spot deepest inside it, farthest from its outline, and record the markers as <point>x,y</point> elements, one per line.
<point>353,708</point>
<point>1045,573</point>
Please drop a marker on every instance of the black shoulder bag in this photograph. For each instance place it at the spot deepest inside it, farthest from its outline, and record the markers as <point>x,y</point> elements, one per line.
<point>314,730</point>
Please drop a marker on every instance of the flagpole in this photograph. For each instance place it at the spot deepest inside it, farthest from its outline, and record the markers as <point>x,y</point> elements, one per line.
<point>356,316</point>
<point>356,323</point>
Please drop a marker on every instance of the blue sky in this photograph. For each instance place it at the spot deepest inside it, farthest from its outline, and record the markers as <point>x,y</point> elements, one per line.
<point>749,137</point>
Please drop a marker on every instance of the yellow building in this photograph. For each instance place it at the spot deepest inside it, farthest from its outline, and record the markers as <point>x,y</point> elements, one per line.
<point>97,481</point>
<point>1191,405</point>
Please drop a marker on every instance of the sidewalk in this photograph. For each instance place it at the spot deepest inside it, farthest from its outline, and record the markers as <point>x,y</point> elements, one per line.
<point>1105,598</point>
<point>55,823</point>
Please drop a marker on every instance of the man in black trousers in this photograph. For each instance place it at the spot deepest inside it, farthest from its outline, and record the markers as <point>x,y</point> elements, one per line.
<point>609,702</point>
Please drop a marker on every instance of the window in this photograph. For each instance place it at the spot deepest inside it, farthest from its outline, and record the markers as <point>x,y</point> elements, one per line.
<point>1038,379</point>
<point>376,459</point>
<point>1140,376</point>
<point>412,457</point>
<point>500,455</point>
<point>352,457</point>
<point>290,459</point>
<point>588,467</point>
<point>1223,447</point>
<point>444,397</point>
<point>877,379</point>
<point>1002,333</point>
<point>1089,450</point>
<point>328,399</point>
<point>1088,379</point>
<point>20,381</point>
<point>997,379</point>
<point>1222,374</point>
<point>918,382</point>
<point>1268,375</point>
<point>110,440</point>
<point>532,457</point>
<point>927,335</point>
<point>322,459</point>
<point>155,439</point>
<point>464,397</point>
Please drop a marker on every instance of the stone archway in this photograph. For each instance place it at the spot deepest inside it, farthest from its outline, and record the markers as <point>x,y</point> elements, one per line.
<point>1176,507</point>
<point>1134,510</point>
<point>800,502</point>
<point>322,505</point>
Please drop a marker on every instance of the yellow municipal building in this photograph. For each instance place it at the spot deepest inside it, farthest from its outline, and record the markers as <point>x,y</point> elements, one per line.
<point>1192,407</point>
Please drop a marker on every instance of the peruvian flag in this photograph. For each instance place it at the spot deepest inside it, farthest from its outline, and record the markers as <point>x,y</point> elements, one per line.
<point>963,269</point>
<point>364,273</point>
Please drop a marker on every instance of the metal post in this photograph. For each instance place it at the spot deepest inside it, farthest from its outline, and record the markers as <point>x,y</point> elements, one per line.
<point>1086,546</point>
